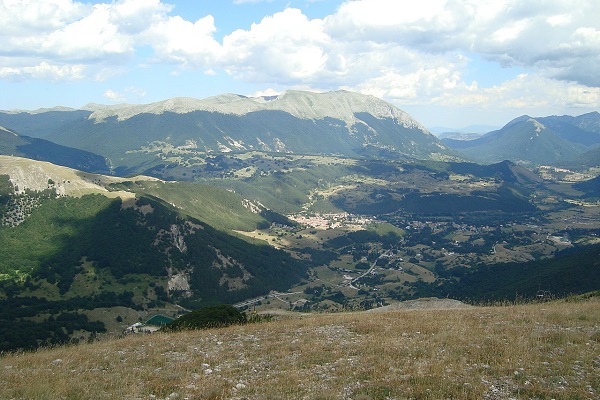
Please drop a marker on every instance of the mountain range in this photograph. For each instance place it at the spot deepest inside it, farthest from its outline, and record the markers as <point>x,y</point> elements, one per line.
<point>341,200</point>
<point>335,123</point>
<point>146,137</point>
<point>553,140</point>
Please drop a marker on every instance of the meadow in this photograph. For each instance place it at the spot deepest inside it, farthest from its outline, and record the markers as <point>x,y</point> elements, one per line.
<point>545,350</point>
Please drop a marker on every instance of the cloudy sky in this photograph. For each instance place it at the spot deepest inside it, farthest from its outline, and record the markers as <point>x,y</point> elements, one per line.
<point>446,62</point>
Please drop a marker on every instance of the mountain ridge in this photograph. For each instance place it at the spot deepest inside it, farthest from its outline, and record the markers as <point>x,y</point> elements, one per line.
<point>12,143</point>
<point>541,140</point>
<point>137,138</point>
<point>339,104</point>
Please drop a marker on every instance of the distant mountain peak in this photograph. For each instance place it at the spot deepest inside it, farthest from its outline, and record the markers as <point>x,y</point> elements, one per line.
<point>518,119</point>
<point>339,123</point>
<point>39,110</point>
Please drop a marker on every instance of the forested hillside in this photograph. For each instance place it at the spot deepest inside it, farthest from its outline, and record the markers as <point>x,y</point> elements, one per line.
<point>67,255</point>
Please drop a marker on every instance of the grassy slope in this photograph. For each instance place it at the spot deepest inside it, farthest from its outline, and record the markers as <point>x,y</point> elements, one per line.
<point>286,192</point>
<point>216,206</point>
<point>547,350</point>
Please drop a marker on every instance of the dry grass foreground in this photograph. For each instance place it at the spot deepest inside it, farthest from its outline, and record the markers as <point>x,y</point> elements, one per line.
<point>540,351</point>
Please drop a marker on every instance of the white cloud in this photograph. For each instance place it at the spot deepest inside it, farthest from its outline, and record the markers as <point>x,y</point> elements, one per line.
<point>93,36</point>
<point>527,94</point>
<point>61,32</point>
<point>135,16</point>
<point>411,53</point>
<point>286,45</point>
<point>128,94</point>
<point>113,96</point>
<point>187,43</point>
<point>135,91</point>
<point>513,32</point>
<point>26,18</point>
<point>43,71</point>
<point>422,82</point>
<point>265,93</point>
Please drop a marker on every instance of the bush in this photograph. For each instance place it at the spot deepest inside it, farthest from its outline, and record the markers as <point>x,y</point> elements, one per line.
<point>208,317</point>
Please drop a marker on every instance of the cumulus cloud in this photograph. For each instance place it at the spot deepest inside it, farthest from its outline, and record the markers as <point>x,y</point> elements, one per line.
<point>60,32</point>
<point>27,18</point>
<point>43,71</point>
<point>414,53</point>
<point>525,94</point>
<point>417,53</point>
<point>190,44</point>
<point>265,93</point>
<point>540,35</point>
<point>286,45</point>
<point>429,24</point>
<point>113,96</point>
<point>126,95</point>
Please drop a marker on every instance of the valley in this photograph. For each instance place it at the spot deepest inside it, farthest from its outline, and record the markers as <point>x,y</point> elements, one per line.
<point>303,200</point>
<point>351,206</point>
<point>411,253</point>
<point>365,233</point>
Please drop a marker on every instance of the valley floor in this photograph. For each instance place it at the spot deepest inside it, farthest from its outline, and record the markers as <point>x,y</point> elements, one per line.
<point>536,351</point>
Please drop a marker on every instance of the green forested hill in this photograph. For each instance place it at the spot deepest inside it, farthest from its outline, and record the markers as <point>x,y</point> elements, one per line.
<point>78,247</point>
<point>522,140</point>
<point>574,271</point>
<point>82,253</point>
<point>591,187</point>
<point>142,238</point>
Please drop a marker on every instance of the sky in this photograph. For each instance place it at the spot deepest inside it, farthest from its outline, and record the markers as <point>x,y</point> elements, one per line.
<point>449,63</point>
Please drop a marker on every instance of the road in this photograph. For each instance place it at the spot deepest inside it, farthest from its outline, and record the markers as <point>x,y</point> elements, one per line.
<point>370,270</point>
<point>278,295</point>
<point>272,295</point>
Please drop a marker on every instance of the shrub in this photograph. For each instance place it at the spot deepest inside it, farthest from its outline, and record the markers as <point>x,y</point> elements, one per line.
<point>208,317</point>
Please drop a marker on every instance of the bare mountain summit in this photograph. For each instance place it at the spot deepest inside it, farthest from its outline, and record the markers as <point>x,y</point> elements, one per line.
<point>342,105</point>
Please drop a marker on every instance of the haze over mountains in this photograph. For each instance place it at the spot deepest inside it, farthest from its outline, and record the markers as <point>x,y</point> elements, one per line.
<point>467,133</point>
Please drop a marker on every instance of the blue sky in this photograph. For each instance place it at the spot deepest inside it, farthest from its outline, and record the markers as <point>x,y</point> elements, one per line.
<point>446,62</point>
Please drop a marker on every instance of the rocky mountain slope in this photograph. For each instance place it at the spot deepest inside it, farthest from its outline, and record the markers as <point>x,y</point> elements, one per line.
<point>340,123</point>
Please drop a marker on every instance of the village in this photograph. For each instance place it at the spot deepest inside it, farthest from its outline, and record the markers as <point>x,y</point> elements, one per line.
<point>332,220</point>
